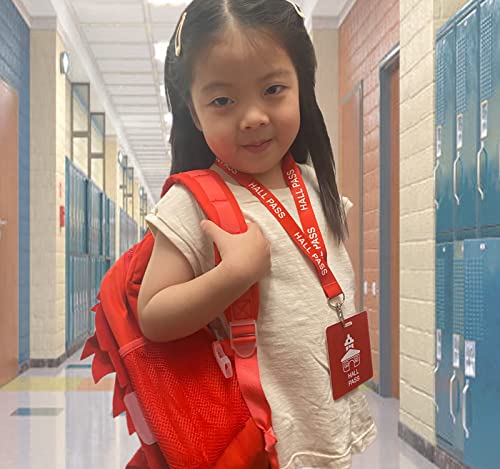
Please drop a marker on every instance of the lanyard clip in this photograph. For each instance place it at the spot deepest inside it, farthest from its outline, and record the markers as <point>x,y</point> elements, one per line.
<point>337,307</point>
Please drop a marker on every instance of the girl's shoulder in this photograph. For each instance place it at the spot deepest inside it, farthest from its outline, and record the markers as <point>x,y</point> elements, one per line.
<point>178,201</point>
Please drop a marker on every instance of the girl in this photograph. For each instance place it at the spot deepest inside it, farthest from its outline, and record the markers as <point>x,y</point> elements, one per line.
<point>240,77</point>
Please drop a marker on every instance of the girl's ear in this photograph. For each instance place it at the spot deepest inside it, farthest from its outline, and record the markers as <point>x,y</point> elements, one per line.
<point>194,116</point>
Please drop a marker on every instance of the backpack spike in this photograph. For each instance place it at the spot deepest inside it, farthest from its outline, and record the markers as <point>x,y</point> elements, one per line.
<point>101,366</point>
<point>90,348</point>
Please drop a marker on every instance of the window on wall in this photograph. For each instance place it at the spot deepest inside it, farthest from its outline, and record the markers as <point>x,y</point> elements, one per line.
<point>80,125</point>
<point>97,168</point>
<point>127,184</point>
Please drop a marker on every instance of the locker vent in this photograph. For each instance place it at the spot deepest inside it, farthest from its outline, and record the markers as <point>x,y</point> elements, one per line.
<point>458,296</point>
<point>486,54</point>
<point>440,84</point>
<point>474,286</point>
<point>440,293</point>
<point>461,76</point>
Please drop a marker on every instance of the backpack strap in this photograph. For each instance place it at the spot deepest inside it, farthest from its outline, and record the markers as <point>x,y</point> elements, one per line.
<point>220,206</point>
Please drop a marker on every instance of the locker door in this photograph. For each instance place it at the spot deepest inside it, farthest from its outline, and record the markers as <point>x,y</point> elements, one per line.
<point>445,135</point>
<point>69,243</point>
<point>488,158</point>
<point>481,393</point>
<point>456,382</point>
<point>444,332</point>
<point>467,95</point>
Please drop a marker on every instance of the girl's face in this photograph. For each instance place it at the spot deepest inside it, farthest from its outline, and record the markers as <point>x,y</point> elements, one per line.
<point>245,100</point>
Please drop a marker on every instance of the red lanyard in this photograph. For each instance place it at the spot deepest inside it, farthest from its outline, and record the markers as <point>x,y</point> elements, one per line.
<point>312,243</point>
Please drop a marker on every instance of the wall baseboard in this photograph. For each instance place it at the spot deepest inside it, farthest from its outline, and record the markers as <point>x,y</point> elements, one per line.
<point>52,362</point>
<point>433,453</point>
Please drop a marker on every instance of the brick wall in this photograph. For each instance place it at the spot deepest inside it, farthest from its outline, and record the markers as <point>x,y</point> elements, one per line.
<point>419,21</point>
<point>44,340</point>
<point>326,42</point>
<point>368,33</point>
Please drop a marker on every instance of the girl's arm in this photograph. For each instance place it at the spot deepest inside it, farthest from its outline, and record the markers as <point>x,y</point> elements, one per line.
<point>172,304</point>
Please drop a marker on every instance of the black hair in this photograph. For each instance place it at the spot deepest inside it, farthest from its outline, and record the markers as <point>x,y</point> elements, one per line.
<point>204,20</point>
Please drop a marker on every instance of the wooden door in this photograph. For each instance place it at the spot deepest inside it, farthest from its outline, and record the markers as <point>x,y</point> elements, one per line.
<point>9,255</point>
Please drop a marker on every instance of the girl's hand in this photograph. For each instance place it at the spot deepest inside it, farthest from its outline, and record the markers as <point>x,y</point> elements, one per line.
<point>246,256</point>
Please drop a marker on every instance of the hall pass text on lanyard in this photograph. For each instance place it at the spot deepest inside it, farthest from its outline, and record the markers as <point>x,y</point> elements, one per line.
<point>348,343</point>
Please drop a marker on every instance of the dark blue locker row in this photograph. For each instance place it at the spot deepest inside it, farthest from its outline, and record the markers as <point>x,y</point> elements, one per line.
<point>467,355</point>
<point>467,124</point>
<point>95,219</point>
<point>467,175</point>
<point>76,207</point>
<point>78,317</point>
<point>90,251</point>
<point>129,231</point>
<point>110,230</point>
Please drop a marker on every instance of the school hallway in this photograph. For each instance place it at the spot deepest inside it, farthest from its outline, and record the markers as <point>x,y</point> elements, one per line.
<point>410,94</point>
<point>56,418</point>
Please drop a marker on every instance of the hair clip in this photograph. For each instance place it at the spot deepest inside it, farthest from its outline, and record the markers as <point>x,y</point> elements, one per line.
<point>178,36</point>
<point>297,9</point>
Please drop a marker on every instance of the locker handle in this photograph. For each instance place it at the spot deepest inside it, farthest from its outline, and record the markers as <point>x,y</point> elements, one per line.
<point>464,409</point>
<point>479,153</point>
<point>436,369</point>
<point>436,203</point>
<point>452,379</point>
<point>455,179</point>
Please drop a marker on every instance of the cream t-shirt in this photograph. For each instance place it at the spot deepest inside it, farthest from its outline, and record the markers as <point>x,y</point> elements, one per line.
<point>312,429</point>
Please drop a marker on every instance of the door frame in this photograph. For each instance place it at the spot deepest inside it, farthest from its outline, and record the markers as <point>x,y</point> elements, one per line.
<point>386,67</point>
<point>358,89</point>
<point>10,347</point>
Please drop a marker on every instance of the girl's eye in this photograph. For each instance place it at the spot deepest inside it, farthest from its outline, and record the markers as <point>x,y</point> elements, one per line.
<point>275,89</point>
<point>221,102</point>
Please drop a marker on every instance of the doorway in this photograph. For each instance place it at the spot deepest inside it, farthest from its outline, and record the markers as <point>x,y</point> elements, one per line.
<point>9,252</point>
<point>389,225</point>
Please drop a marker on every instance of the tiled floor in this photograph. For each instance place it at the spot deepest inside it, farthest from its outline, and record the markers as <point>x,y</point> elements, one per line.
<point>57,419</point>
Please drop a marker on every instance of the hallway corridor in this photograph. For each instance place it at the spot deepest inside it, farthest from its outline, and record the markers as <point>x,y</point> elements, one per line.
<point>56,418</point>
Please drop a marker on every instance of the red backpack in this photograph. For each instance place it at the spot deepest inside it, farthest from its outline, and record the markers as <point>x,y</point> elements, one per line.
<point>197,402</point>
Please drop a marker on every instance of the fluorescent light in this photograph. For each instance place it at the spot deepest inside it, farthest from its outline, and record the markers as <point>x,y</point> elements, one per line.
<point>172,3</point>
<point>161,51</point>
<point>64,62</point>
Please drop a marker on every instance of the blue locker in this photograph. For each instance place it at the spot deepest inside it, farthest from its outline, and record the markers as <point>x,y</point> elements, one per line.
<point>481,394</point>
<point>106,227</point>
<point>488,157</point>
<point>445,135</point>
<point>112,231</point>
<point>78,224</point>
<point>456,382</point>
<point>444,333</point>
<point>467,95</point>
<point>95,216</point>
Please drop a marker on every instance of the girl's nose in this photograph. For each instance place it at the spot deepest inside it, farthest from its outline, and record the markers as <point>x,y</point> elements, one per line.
<point>254,118</point>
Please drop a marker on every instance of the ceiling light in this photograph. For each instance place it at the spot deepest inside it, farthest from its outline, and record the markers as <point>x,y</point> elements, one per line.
<point>64,62</point>
<point>170,3</point>
<point>161,51</point>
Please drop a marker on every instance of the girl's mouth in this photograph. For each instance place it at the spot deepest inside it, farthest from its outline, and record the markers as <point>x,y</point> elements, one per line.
<point>258,147</point>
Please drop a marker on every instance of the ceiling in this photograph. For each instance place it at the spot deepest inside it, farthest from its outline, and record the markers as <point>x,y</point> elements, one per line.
<point>112,43</point>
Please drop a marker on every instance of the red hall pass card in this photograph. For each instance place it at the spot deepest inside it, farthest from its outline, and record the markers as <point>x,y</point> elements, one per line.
<point>350,354</point>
